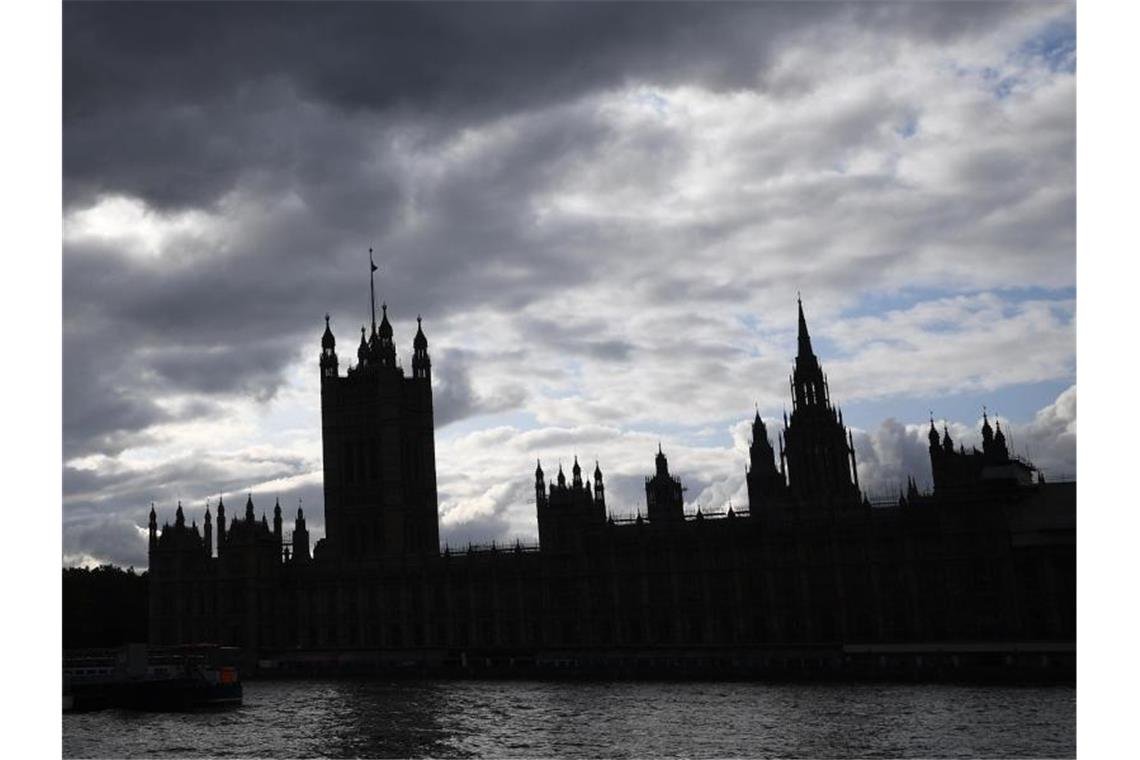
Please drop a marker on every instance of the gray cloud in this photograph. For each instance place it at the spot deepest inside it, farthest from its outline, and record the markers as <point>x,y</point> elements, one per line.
<point>600,209</point>
<point>453,397</point>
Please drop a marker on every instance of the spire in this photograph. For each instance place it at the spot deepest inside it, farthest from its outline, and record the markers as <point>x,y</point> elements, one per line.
<point>561,477</point>
<point>932,436</point>
<point>207,532</point>
<point>538,469</point>
<point>385,326</point>
<point>420,341</point>
<point>382,341</point>
<point>249,508</point>
<point>661,462</point>
<point>803,338</point>
<point>421,362</point>
<point>328,342</point>
<point>599,488</point>
<point>1001,451</point>
<point>947,444</point>
<point>362,351</point>
<point>758,428</point>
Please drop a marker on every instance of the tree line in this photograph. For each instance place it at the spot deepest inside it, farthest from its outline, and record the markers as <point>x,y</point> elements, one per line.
<point>104,606</point>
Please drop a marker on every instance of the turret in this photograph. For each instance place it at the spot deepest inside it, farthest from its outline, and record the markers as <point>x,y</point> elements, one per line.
<point>208,532</point>
<point>249,508</point>
<point>179,518</point>
<point>561,477</point>
<point>765,484</point>
<point>599,487</point>
<point>300,537</point>
<point>987,432</point>
<point>539,485</point>
<point>385,346</point>
<point>1001,451</point>
<point>152,528</point>
<point>932,436</point>
<point>328,352</point>
<point>421,361</point>
<point>277,521</point>
<point>221,525</point>
<point>663,494</point>
<point>362,351</point>
<point>576,471</point>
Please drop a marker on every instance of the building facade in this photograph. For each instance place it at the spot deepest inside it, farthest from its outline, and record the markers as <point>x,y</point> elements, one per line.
<point>986,560</point>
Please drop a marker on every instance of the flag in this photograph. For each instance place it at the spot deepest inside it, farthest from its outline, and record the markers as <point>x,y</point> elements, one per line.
<point>374,267</point>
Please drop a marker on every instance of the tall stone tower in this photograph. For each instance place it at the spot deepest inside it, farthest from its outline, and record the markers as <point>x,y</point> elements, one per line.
<point>819,452</point>
<point>378,443</point>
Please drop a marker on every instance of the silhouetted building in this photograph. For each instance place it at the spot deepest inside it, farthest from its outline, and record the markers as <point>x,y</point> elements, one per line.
<point>985,560</point>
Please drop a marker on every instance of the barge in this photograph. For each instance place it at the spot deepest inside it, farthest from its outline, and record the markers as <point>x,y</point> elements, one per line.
<point>138,678</point>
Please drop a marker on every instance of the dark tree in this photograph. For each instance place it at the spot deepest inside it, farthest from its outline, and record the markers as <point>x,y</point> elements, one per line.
<point>103,607</point>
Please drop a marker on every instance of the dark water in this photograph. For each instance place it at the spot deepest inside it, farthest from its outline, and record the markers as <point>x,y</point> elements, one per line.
<point>552,719</point>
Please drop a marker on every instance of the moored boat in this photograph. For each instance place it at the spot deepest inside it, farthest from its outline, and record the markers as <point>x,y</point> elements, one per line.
<point>134,677</point>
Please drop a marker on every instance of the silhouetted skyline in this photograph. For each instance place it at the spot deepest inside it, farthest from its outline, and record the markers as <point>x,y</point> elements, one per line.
<point>987,558</point>
<point>605,253</point>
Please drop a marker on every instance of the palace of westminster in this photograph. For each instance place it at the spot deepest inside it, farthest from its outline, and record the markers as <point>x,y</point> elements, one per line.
<point>986,561</point>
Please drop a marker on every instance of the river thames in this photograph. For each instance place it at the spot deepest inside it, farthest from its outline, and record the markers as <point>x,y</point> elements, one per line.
<point>559,719</point>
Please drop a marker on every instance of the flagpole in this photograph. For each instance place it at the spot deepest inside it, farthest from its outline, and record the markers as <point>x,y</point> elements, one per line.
<point>372,289</point>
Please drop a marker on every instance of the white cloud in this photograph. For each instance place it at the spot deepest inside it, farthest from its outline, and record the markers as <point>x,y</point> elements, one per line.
<point>601,267</point>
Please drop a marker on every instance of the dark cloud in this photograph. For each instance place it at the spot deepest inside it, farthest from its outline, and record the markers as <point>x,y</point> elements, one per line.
<point>176,102</point>
<point>265,147</point>
<point>453,398</point>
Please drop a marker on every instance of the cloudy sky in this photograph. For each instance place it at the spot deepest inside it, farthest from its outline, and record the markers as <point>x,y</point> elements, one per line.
<point>603,212</point>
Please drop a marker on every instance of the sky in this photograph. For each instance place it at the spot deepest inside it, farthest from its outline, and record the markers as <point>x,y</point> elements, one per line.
<point>604,214</point>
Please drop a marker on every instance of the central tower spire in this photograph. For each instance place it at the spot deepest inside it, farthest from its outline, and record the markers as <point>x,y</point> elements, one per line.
<point>804,339</point>
<point>820,452</point>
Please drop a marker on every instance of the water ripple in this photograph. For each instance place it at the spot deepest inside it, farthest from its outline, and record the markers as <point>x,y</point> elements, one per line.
<point>517,719</point>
